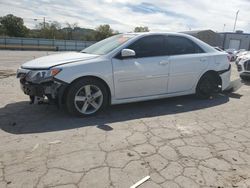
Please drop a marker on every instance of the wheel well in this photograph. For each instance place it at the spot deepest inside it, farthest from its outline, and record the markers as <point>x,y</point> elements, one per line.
<point>215,75</point>
<point>89,77</point>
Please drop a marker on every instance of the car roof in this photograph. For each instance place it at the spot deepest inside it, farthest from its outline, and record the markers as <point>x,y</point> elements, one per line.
<point>202,44</point>
<point>157,33</point>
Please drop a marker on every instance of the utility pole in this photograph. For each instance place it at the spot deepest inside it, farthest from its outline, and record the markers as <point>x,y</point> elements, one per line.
<point>236,17</point>
<point>224,27</point>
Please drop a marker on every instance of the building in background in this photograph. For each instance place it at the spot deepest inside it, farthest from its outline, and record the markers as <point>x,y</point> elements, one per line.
<point>225,40</point>
<point>208,36</point>
<point>237,40</point>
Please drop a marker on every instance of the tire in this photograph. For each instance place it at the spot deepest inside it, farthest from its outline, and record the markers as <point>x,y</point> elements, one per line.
<point>86,97</point>
<point>245,78</point>
<point>207,86</point>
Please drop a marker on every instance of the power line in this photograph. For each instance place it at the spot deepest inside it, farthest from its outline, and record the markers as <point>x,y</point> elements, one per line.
<point>44,20</point>
<point>37,19</point>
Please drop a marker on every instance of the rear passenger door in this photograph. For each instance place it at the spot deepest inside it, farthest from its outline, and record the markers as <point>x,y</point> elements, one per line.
<point>187,60</point>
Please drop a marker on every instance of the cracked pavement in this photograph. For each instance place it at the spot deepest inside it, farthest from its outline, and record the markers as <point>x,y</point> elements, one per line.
<point>179,142</point>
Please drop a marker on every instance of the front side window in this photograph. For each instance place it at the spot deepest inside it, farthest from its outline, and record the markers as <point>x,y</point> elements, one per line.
<point>181,46</point>
<point>149,46</point>
<point>107,45</point>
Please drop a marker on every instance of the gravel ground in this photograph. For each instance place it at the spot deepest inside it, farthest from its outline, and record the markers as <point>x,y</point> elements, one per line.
<point>178,142</point>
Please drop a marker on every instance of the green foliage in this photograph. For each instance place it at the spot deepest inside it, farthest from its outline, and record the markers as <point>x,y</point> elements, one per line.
<point>49,30</point>
<point>13,26</point>
<point>2,30</point>
<point>69,30</point>
<point>141,29</point>
<point>90,36</point>
<point>103,31</point>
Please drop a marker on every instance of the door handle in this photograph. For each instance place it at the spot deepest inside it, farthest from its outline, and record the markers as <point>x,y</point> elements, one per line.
<point>163,62</point>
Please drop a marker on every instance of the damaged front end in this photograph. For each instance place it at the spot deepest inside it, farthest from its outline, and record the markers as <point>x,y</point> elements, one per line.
<point>41,85</point>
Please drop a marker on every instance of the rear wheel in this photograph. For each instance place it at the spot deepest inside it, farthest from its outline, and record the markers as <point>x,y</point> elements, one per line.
<point>86,97</point>
<point>207,86</point>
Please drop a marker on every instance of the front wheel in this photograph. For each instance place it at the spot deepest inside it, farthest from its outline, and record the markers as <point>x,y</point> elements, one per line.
<point>207,86</point>
<point>86,97</point>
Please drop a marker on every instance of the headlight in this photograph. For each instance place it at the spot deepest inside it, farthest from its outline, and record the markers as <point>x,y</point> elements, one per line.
<point>38,76</point>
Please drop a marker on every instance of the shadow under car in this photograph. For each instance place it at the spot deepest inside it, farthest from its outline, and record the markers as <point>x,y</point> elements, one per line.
<point>22,118</point>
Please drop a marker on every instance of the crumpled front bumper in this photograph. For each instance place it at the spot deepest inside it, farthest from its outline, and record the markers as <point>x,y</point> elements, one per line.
<point>34,89</point>
<point>53,90</point>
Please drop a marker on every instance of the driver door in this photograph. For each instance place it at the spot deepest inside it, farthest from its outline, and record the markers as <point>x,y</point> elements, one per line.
<point>146,74</point>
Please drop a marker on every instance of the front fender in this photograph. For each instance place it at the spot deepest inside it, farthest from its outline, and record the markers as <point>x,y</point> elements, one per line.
<point>102,70</point>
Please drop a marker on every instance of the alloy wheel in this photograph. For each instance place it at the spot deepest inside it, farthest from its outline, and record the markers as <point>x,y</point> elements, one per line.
<point>88,99</point>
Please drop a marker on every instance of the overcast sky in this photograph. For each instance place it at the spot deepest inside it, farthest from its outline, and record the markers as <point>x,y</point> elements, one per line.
<point>124,15</point>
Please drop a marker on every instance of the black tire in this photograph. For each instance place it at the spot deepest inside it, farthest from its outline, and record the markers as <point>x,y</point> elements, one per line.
<point>207,86</point>
<point>245,78</point>
<point>74,89</point>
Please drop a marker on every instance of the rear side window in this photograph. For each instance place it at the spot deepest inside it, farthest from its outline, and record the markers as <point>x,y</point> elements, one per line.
<point>180,45</point>
<point>149,46</point>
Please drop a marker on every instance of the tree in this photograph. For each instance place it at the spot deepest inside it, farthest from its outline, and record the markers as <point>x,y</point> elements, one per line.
<point>13,26</point>
<point>2,30</point>
<point>69,30</point>
<point>91,36</point>
<point>103,31</point>
<point>141,29</point>
<point>49,30</point>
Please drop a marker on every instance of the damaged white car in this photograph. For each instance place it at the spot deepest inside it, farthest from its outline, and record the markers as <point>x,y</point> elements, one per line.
<point>127,68</point>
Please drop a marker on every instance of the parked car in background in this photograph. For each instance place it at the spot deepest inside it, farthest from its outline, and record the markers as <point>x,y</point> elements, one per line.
<point>240,52</point>
<point>232,54</point>
<point>127,68</point>
<point>243,66</point>
<point>241,55</point>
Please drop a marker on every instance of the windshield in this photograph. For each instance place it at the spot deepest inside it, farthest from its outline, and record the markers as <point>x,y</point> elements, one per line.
<point>107,45</point>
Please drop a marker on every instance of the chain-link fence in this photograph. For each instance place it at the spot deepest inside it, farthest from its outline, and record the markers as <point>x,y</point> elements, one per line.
<point>42,44</point>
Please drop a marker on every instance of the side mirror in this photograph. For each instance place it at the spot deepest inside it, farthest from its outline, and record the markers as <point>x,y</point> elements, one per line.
<point>127,53</point>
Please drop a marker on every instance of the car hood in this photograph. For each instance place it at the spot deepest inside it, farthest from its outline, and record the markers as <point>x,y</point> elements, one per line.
<point>57,59</point>
<point>247,56</point>
<point>244,57</point>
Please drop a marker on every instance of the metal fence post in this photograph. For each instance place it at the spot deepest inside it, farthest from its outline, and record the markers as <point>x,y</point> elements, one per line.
<point>4,42</point>
<point>22,43</point>
<point>38,43</point>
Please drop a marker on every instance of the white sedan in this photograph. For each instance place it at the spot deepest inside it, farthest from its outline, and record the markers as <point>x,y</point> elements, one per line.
<point>126,68</point>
